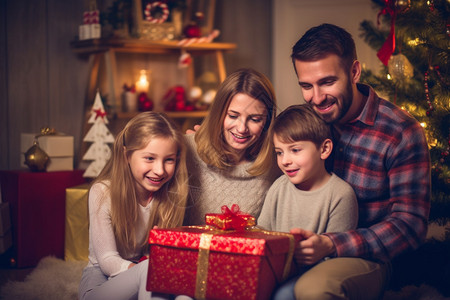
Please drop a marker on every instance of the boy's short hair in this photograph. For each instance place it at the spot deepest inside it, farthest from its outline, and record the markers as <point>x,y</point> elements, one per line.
<point>300,123</point>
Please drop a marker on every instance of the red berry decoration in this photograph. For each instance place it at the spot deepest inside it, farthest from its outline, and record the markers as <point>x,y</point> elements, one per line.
<point>192,31</point>
<point>145,103</point>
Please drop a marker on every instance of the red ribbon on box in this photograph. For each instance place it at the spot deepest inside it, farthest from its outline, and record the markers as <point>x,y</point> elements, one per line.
<point>231,219</point>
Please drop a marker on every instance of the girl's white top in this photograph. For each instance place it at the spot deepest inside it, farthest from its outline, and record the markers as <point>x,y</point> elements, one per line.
<point>102,243</point>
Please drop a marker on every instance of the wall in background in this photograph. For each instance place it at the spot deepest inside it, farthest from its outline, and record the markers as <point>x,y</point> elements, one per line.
<point>43,83</point>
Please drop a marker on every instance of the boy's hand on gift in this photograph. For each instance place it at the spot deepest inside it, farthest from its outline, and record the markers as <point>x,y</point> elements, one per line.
<point>190,131</point>
<point>313,247</point>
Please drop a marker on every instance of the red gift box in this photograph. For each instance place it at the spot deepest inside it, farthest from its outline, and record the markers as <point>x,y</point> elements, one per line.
<point>208,263</point>
<point>37,201</point>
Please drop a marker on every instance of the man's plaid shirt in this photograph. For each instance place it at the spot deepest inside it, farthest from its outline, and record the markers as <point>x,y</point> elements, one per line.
<point>383,154</point>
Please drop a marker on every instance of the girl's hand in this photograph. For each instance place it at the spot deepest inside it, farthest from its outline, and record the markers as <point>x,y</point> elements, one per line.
<point>131,265</point>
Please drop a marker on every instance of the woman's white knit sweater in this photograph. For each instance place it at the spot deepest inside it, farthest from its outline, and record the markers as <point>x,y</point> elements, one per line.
<point>211,188</point>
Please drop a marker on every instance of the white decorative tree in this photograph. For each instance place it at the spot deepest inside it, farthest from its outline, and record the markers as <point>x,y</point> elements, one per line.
<point>99,152</point>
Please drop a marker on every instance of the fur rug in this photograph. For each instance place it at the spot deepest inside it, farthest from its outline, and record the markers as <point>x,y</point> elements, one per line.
<point>53,278</point>
<point>56,279</point>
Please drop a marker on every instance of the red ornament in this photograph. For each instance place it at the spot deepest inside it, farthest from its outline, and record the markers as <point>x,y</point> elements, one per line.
<point>145,103</point>
<point>192,31</point>
<point>175,99</point>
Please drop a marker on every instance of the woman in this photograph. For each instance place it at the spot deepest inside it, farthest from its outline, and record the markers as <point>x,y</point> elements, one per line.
<point>230,159</point>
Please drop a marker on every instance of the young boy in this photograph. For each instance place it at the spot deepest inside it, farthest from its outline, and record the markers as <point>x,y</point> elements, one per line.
<point>307,196</point>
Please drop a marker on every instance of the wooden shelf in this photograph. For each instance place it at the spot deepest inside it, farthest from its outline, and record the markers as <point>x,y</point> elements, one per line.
<point>105,50</point>
<point>198,114</point>
<point>144,46</point>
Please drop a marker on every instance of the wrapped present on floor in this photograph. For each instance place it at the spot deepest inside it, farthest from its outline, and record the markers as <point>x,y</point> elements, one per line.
<point>76,237</point>
<point>5,227</point>
<point>59,147</point>
<point>206,262</point>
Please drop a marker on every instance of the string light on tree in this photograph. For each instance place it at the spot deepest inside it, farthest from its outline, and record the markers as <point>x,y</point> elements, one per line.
<point>427,95</point>
<point>402,5</point>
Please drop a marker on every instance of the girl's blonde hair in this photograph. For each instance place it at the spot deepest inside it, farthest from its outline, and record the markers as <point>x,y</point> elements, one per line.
<point>211,145</point>
<point>168,203</point>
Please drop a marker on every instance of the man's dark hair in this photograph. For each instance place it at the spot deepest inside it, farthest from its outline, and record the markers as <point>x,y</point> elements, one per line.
<point>323,40</point>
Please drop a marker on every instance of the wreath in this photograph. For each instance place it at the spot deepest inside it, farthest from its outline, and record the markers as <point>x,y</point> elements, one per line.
<point>148,12</point>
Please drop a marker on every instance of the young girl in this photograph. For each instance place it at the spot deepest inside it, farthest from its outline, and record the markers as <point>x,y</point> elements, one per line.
<point>230,155</point>
<point>143,185</point>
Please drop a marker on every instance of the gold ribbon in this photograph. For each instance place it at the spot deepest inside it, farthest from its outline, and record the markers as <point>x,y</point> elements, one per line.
<point>204,249</point>
<point>45,131</point>
<point>202,265</point>
<point>290,255</point>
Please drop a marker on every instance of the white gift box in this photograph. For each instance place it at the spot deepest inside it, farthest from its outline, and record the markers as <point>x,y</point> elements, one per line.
<point>84,32</point>
<point>59,148</point>
<point>95,31</point>
<point>89,31</point>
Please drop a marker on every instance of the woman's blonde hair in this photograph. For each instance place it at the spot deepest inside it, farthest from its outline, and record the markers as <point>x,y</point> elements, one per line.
<point>211,145</point>
<point>168,203</point>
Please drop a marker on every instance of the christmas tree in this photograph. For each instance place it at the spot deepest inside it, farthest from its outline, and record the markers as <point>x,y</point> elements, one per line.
<point>412,38</point>
<point>99,135</point>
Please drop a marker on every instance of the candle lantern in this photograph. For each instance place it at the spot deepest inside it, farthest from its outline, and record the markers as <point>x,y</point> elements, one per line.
<point>142,88</point>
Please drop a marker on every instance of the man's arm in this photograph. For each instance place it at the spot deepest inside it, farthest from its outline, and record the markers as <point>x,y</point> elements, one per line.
<point>404,224</point>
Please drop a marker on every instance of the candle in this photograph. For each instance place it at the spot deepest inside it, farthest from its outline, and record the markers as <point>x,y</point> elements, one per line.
<point>142,84</point>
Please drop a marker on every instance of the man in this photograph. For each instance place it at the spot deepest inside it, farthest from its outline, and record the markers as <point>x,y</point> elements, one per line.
<point>382,152</point>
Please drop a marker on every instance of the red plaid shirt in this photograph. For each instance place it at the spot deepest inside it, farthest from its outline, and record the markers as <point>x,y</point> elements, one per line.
<point>383,155</point>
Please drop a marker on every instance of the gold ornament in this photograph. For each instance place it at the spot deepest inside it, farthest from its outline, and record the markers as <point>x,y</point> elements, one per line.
<point>402,5</point>
<point>36,159</point>
<point>400,68</point>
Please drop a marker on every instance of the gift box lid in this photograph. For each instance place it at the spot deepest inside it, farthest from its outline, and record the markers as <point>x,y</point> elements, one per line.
<point>252,242</point>
<point>54,145</point>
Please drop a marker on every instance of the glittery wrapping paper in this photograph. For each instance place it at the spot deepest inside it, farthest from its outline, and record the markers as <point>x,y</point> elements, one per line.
<point>240,264</point>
